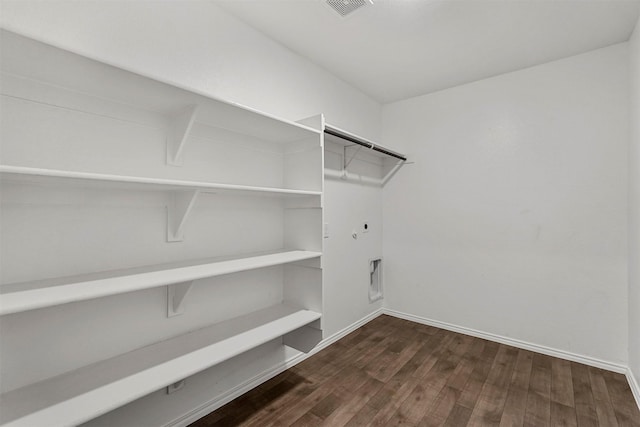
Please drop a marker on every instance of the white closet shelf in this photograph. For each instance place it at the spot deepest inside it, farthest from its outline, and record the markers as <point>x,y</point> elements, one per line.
<point>18,297</point>
<point>59,68</point>
<point>82,179</point>
<point>88,392</point>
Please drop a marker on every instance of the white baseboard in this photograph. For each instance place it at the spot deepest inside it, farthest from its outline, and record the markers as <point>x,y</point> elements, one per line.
<point>227,397</point>
<point>633,383</point>
<point>561,354</point>
<point>238,391</point>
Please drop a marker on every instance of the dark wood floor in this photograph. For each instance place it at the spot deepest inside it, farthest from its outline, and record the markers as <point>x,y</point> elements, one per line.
<point>393,372</point>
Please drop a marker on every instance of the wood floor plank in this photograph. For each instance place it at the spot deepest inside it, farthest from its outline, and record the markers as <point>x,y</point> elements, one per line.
<point>291,413</point>
<point>604,409</point>
<point>563,415</point>
<point>326,406</point>
<point>561,382</point>
<point>583,396</point>
<point>522,371</point>
<point>441,407</point>
<point>364,417</point>
<point>372,353</point>
<point>462,354</point>
<point>435,354</point>
<point>395,372</point>
<point>538,412</point>
<point>490,405</point>
<point>307,420</point>
<point>424,397</point>
<point>605,413</point>
<point>280,401</point>
<point>514,407</point>
<point>624,406</point>
<point>389,361</point>
<point>472,389</point>
<point>463,371</point>
<point>370,339</point>
<point>387,408</point>
<point>418,359</point>
<point>414,407</point>
<point>598,384</point>
<point>345,412</point>
<point>459,416</point>
<point>516,403</point>
<point>261,402</point>
<point>446,363</point>
<point>345,387</point>
<point>363,351</point>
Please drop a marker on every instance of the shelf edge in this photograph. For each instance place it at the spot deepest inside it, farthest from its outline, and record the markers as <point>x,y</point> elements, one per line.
<point>168,183</point>
<point>32,299</point>
<point>75,410</point>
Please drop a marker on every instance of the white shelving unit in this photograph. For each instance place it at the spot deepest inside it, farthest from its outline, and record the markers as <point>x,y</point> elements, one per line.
<point>102,170</point>
<point>15,298</point>
<point>81,395</point>
<point>73,178</point>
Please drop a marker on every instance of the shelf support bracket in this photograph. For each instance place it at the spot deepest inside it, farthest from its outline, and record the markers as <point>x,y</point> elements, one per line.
<point>175,298</point>
<point>180,206</point>
<point>178,133</point>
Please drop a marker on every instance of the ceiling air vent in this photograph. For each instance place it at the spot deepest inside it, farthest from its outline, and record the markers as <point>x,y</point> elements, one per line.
<point>346,7</point>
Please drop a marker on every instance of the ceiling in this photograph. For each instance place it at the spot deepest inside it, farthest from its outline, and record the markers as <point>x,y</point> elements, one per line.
<point>397,49</point>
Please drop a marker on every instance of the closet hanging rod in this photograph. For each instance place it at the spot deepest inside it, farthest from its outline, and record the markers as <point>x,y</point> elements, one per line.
<point>360,141</point>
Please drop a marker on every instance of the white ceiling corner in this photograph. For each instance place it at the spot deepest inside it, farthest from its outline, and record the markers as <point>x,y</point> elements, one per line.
<point>397,49</point>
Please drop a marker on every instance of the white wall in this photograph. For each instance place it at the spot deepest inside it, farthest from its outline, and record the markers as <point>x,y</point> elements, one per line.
<point>195,44</point>
<point>634,208</point>
<point>198,45</point>
<point>513,221</point>
<point>350,204</point>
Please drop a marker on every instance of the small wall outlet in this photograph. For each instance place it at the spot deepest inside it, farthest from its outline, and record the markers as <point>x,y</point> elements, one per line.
<point>365,227</point>
<point>175,387</point>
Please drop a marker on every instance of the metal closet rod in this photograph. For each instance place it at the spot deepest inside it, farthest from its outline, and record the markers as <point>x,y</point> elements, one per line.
<point>363,142</point>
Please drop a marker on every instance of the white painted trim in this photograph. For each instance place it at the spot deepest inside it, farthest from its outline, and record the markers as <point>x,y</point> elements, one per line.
<point>633,384</point>
<point>561,354</point>
<point>238,391</point>
<point>227,397</point>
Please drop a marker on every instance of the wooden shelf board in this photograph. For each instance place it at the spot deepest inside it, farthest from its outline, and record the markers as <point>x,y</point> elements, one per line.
<point>15,298</point>
<point>73,178</point>
<point>88,392</point>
